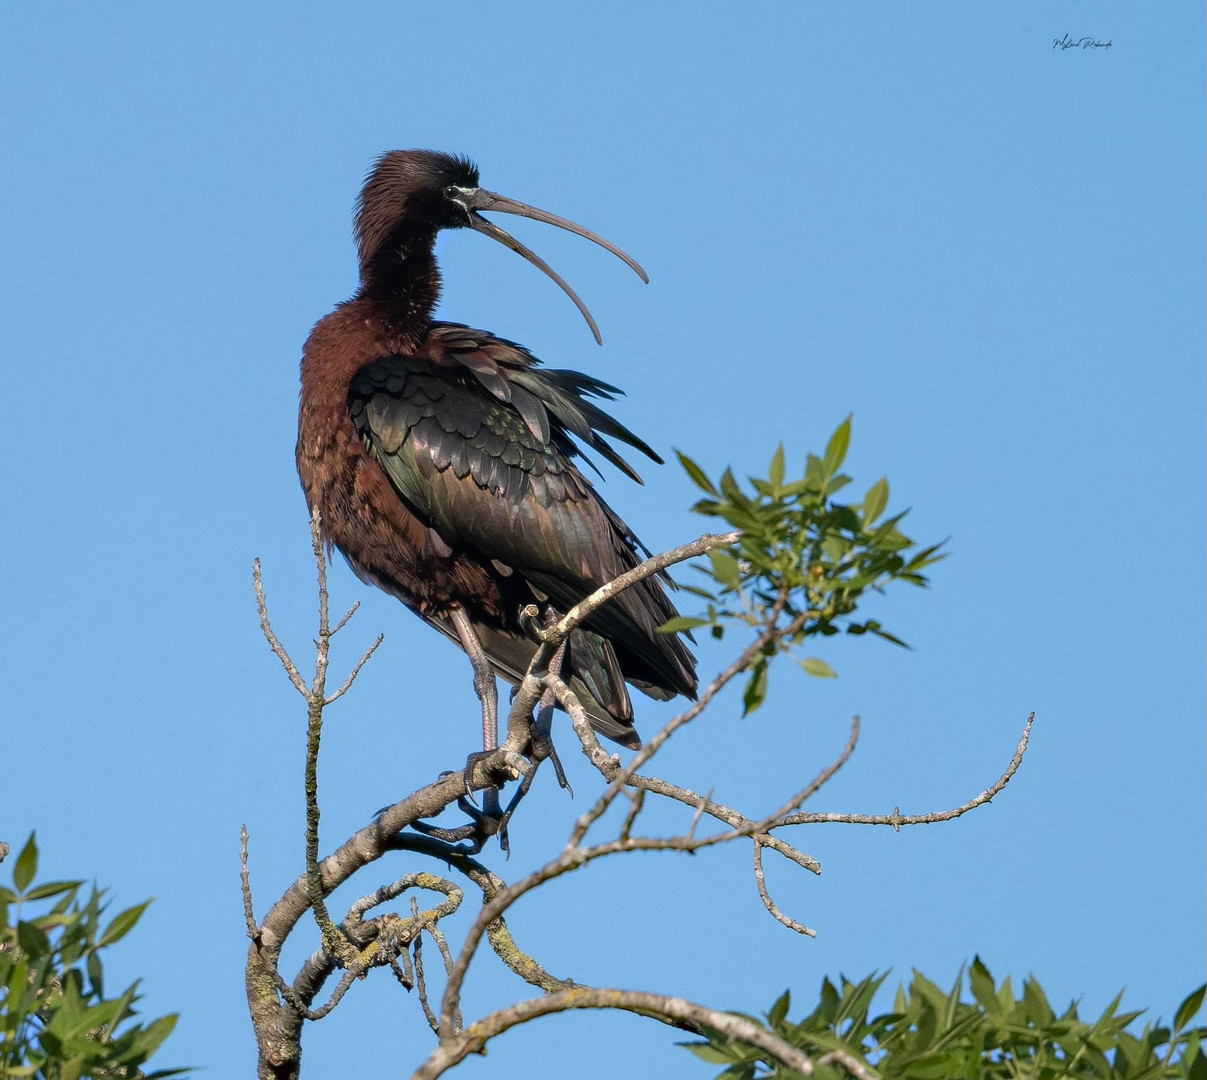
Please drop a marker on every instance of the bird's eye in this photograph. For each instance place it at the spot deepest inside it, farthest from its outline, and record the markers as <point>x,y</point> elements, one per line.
<point>457,196</point>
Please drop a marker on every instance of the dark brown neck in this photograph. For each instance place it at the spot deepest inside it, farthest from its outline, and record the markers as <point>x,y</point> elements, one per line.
<point>402,281</point>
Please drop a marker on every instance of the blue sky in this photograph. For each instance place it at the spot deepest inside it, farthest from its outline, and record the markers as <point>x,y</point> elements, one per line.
<point>988,250</point>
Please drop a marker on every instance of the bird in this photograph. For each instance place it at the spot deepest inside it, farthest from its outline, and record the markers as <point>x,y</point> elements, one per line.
<point>443,461</point>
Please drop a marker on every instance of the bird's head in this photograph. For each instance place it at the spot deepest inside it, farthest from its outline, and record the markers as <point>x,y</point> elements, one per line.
<point>410,195</point>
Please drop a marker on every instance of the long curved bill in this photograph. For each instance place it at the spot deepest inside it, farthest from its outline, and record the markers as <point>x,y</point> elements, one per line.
<point>475,199</point>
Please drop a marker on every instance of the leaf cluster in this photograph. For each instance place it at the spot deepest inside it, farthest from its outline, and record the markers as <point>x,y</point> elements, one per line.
<point>804,559</point>
<point>932,1034</point>
<point>55,1021</point>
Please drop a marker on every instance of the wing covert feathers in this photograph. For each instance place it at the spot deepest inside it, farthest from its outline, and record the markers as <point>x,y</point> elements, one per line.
<point>479,441</point>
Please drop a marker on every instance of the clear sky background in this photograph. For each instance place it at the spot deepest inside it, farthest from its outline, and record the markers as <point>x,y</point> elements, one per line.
<point>988,250</point>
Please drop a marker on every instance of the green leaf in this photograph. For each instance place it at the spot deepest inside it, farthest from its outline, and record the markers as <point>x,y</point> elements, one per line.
<point>123,924</point>
<point>1197,1069</point>
<point>1036,1000</point>
<point>875,500</point>
<point>699,477</point>
<point>714,1055</point>
<point>780,1009</point>
<point>724,567</point>
<point>756,689</point>
<point>33,941</point>
<point>820,668</point>
<point>983,988</point>
<point>775,472</point>
<point>96,974</point>
<point>837,483</point>
<point>27,864</point>
<point>681,622</point>
<point>741,1071</point>
<point>937,1067</point>
<point>1187,1010</point>
<point>51,888</point>
<point>156,1032</point>
<point>813,472</point>
<point>731,491</point>
<point>836,448</point>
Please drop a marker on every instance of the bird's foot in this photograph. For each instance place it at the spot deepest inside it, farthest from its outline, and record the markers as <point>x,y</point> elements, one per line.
<point>485,822</point>
<point>482,825</point>
<point>542,748</point>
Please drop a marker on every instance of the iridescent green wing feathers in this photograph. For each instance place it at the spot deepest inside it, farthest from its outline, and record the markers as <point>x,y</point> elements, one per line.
<point>478,441</point>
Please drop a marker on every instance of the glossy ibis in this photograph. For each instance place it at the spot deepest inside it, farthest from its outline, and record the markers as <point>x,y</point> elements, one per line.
<point>442,458</point>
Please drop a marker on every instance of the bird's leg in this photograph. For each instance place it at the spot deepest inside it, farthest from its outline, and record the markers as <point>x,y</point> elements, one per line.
<point>541,744</point>
<point>484,678</point>
<point>488,694</point>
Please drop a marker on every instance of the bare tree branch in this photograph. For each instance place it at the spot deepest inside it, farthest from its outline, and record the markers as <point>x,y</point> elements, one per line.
<point>659,740</point>
<point>497,933</point>
<point>346,619</point>
<point>669,1010</point>
<point>249,911</point>
<point>359,943</point>
<point>651,566</point>
<point>420,982</point>
<point>266,627</point>
<point>356,670</point>
<point>765,896</point>
<point>896,819</point>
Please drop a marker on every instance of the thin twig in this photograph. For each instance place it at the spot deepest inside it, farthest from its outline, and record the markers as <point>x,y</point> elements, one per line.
<point>420,880</point>
<point>447,956</point>
<point>657,786</point>
<point>765,896</point>
<point>818,782</point>
<point>769,633</point>
<point>404,972</point>
<point>691,832</point>
<point>356,670</point>
<point>337,995</point>
<point>654,565</point>
<point>637,802</point>
<point>270,635</point>
<point>420,984</point>
<point>347,618</point>
<point>249,911</point>
<point>897,820</point>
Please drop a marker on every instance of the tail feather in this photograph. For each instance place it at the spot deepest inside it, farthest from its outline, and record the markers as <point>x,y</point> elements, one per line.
<point>594,674</point>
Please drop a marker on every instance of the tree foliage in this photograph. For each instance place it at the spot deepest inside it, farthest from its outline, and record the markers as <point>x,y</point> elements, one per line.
<point>933,1034</point>
<point>803,557</point>
<point>55,1021</point>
